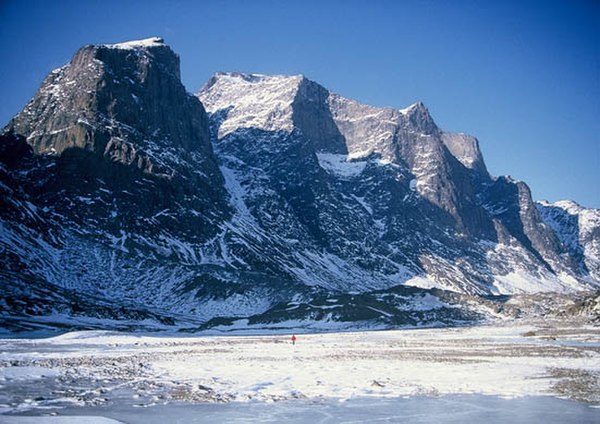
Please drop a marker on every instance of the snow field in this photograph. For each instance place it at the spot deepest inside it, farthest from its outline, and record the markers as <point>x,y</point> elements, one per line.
<point>489,360</point>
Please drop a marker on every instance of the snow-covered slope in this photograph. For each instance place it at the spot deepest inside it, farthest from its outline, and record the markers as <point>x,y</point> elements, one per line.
<point>262,102</point>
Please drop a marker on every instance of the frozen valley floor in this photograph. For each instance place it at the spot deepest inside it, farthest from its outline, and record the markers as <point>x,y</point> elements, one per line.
<point>101,373</point>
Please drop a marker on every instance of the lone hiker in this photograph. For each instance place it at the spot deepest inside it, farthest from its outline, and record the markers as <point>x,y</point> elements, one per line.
<point>293,340</point>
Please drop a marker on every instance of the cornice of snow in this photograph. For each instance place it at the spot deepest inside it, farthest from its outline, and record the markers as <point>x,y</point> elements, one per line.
<point>136,44</point>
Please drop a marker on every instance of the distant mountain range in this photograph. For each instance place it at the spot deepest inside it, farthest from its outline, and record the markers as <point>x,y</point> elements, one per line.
<point>262,199</point>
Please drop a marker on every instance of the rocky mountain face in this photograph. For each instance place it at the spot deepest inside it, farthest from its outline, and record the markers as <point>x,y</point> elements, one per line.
<point>125,197</point>
<point>104,172</point>
<point>578,229</point>
<point>117,117</point>
<point>387,196</point>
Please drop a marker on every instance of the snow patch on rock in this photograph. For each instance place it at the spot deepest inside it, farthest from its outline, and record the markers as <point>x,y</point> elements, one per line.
<point>340,165</point>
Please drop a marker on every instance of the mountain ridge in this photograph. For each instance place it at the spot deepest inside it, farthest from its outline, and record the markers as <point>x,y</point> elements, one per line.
<point>266,190</point>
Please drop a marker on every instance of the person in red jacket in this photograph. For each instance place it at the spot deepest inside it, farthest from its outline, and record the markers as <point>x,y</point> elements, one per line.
<point>293,339</point>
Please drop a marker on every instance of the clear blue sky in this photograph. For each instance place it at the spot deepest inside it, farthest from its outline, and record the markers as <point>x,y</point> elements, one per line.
<point>522,76</point>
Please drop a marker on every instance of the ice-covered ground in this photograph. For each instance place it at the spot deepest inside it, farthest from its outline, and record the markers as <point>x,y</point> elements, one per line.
<point>97,369</point>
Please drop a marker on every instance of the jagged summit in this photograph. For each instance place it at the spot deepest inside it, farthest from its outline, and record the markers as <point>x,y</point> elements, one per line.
<point>285,103</point>
<point>266,102</point>
<point>251,77</point>
<point>417,107</point>
<point>566,204</point>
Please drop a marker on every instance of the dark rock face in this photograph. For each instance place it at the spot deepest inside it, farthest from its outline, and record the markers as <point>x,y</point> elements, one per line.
<point>511,203</point>
<point>120,193</point>
<point>311,115</point>
<point>119,113</point>
<point>109,99</point>
<point>116,181</point>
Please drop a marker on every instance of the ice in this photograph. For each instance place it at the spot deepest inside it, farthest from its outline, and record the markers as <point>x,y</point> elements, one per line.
<point>25,373</point>
<point>58,420</point>
<point>419,409</point>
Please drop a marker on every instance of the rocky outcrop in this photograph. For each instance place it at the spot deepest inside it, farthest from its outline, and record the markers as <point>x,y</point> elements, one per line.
<point>313,118</point>
<point>119,113</point>
<point>115,100</point>
<point>410,138</point>
<point>465,149</point>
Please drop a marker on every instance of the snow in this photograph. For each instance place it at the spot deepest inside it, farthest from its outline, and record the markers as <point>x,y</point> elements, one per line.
<point>136,44</point>
<point>340,166</point>
<point>252,100</point>
<point>237,194</point>
<point>523,277</point>
<point>425,302</point>
<point>332,272</point>
<point>421,282</point>
<point>577,228</point>
<point>408,110</point>
<point>363,203</point>
<point>488,360</point>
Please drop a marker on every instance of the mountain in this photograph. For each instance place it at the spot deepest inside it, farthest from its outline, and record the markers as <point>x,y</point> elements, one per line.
<point>384,194</point>
<point>578,229</point>
<point>124,197</point>
<point>114,168</point>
